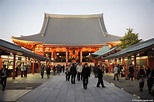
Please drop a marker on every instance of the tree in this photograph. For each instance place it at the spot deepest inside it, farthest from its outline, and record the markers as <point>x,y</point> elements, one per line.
<point>130,38</point>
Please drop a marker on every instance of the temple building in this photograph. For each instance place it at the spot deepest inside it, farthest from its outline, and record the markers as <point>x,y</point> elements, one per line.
<point>67,38</point>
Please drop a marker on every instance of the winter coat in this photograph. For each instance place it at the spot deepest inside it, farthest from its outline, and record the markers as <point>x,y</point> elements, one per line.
<point>86,72</point>
<point>116,70</point>
<point>99,73</point>
<point>141,75</point>
<point>131,69</point>
<point>73,70</point>
<point>48,70</point>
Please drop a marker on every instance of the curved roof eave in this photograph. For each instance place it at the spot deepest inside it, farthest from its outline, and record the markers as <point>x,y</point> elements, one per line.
<point>74,45</point>
<point>56,31</point>
<point>73,16</point>
<point>27,39</point>
<point>18,50</point>
<point>133,49</point>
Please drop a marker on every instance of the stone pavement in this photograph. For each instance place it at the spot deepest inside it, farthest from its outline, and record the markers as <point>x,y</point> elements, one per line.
<point>129,86</point>
<point>58,90</point>
<point>20,86</point>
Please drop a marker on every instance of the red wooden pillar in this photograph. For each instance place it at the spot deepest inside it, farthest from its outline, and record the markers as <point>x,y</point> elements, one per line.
<point>123,61</point>
<point>33,66</point>
<point>80,55</point>
<point>135,70</point>
<point>0,62</point>
<point>14,60</point>
<point>109,67</point>
<point>25,61</point>
<point>52,56</point>
<point>115,61</point>
<point>147,61</point>
<point>39,65</point>
<point>66,56</point>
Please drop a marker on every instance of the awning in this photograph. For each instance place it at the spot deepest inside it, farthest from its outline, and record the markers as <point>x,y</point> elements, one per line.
<point>8,47</point>
<point>104,51</point>
<point>133,49</point>
<point>111,50</point>
<point>105,48</point>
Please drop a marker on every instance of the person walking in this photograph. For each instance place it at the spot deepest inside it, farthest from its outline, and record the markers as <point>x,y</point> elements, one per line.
<point>100,76</point>
<point>42,70</point>
<point>73,72</point>
<point>95,69</point>
<point>79,70</point>
<point>22,69</point>
<point>67,72</point>
<point>3,76</point>
<point>54,70</point>
<point>48,71</point>
<point>25,69</point>
<point>150,81</point>
<point>131,72</point>
<point>141,78</point>
<point>58,67</point>
<point>85,75</point>
<point>63,68</point>
<point>17,68</point>
<point>147,73</point>
<point>116,72</point>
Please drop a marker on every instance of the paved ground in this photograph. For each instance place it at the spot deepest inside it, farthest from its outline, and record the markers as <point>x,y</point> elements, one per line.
<point>56,89</point>
<point>59,90</point>
<point>130,86</point>
<point>20,86</point>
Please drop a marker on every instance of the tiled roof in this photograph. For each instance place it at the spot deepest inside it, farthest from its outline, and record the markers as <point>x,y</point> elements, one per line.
<point>10,47</point>
<point>104,51</point>
<point>72,30</point>
<point>105,48</point>
<point>133,49</point>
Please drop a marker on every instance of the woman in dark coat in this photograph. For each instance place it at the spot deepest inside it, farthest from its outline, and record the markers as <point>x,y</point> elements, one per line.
<point>85,74</point>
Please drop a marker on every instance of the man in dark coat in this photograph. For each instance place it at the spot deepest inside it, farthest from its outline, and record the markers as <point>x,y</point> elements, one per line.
<point>42,70</point>
<point>151,81</point>
<point>73,72</point>
<point>3,76</point>
<point>100,76</point>
<point>48,71</point>
<point>141,78</point>
<point>85,75</point>
<point>131,72</point>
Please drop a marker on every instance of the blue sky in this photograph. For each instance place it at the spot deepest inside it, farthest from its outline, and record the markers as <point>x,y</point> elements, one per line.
<point>25,17</point>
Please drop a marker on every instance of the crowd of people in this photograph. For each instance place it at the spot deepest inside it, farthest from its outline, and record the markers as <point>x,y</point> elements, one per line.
<point>144,73</point>
<point>76,71</point>
<point>83,73</point>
